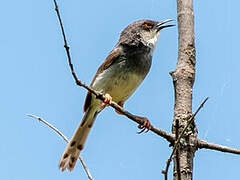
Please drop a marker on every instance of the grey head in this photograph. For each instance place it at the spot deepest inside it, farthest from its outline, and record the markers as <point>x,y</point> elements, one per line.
<point>144,32</point>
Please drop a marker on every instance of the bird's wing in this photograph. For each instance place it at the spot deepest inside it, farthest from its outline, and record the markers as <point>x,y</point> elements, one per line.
<point>111,59</point>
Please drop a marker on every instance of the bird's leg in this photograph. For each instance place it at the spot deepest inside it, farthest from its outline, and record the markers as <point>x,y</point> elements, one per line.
<point>146,125</point>
<point>107,101</point>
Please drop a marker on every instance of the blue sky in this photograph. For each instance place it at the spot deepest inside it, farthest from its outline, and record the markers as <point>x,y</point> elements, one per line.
<point>35,79</point>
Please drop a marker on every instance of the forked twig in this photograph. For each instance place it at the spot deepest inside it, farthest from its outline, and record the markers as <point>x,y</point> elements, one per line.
<point>65,138</point>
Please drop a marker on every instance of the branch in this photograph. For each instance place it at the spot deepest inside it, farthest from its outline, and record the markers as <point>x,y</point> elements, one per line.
<point>65,138</point>
<point>183,80</point>
<point>190,121</point>
<point>207,145</point>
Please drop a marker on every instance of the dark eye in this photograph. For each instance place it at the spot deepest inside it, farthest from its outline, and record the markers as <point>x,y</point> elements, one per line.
<point>147,26</point>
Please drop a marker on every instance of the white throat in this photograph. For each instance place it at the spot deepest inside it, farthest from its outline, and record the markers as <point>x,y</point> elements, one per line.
<point>153,41</point>
<point>150,38</point>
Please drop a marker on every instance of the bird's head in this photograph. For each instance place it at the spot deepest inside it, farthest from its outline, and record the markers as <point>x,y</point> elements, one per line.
<point>144,31</point>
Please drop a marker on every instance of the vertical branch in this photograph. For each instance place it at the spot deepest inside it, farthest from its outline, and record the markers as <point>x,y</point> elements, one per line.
<point>183,80</point>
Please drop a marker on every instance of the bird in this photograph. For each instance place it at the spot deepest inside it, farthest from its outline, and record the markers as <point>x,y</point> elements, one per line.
<point>118,77</point>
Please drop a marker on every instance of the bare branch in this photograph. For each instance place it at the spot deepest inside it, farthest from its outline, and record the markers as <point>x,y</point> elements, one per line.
<point>190,121</point>
<point>65,138</point>
<point>183,80</point>
<point>207,145</point>
<point>49,125</point>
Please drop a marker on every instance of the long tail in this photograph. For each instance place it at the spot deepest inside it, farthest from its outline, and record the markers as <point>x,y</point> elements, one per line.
<point>74,147</point>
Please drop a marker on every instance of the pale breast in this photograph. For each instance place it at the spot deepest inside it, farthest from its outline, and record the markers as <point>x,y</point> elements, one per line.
<point>120,81</point>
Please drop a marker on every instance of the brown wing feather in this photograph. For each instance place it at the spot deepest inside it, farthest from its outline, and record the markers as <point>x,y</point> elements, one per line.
<point>111,58</point>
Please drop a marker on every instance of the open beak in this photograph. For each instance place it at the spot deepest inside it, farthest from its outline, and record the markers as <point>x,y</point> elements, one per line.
<point>161,25</point>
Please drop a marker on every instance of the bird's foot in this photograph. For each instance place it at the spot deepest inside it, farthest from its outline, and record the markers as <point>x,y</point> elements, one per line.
<point>107,101</point>
<point>146,125</point>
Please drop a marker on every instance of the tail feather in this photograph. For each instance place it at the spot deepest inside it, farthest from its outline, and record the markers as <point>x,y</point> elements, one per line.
<point>72,152</point>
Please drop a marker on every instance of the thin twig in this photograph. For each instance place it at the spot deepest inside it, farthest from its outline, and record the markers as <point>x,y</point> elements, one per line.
<point>67,48</point>
<point>190,121</point>
<point>78,82</point>
<point>177,152</point>
<point>65,138</point>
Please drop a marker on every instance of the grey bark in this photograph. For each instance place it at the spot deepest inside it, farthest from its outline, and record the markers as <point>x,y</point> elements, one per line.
<point>183,80</point>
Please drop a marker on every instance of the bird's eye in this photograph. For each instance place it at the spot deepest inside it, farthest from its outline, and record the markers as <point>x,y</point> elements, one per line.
<point>148,26</point>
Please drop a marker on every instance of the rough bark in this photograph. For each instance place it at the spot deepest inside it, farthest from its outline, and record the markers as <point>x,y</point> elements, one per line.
<point>183,80</point>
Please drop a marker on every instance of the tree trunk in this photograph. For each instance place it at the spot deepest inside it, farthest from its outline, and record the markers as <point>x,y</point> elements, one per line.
<point>183,80</point>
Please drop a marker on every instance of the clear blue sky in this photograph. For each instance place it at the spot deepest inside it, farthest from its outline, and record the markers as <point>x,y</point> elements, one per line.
<point>35,78</point>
